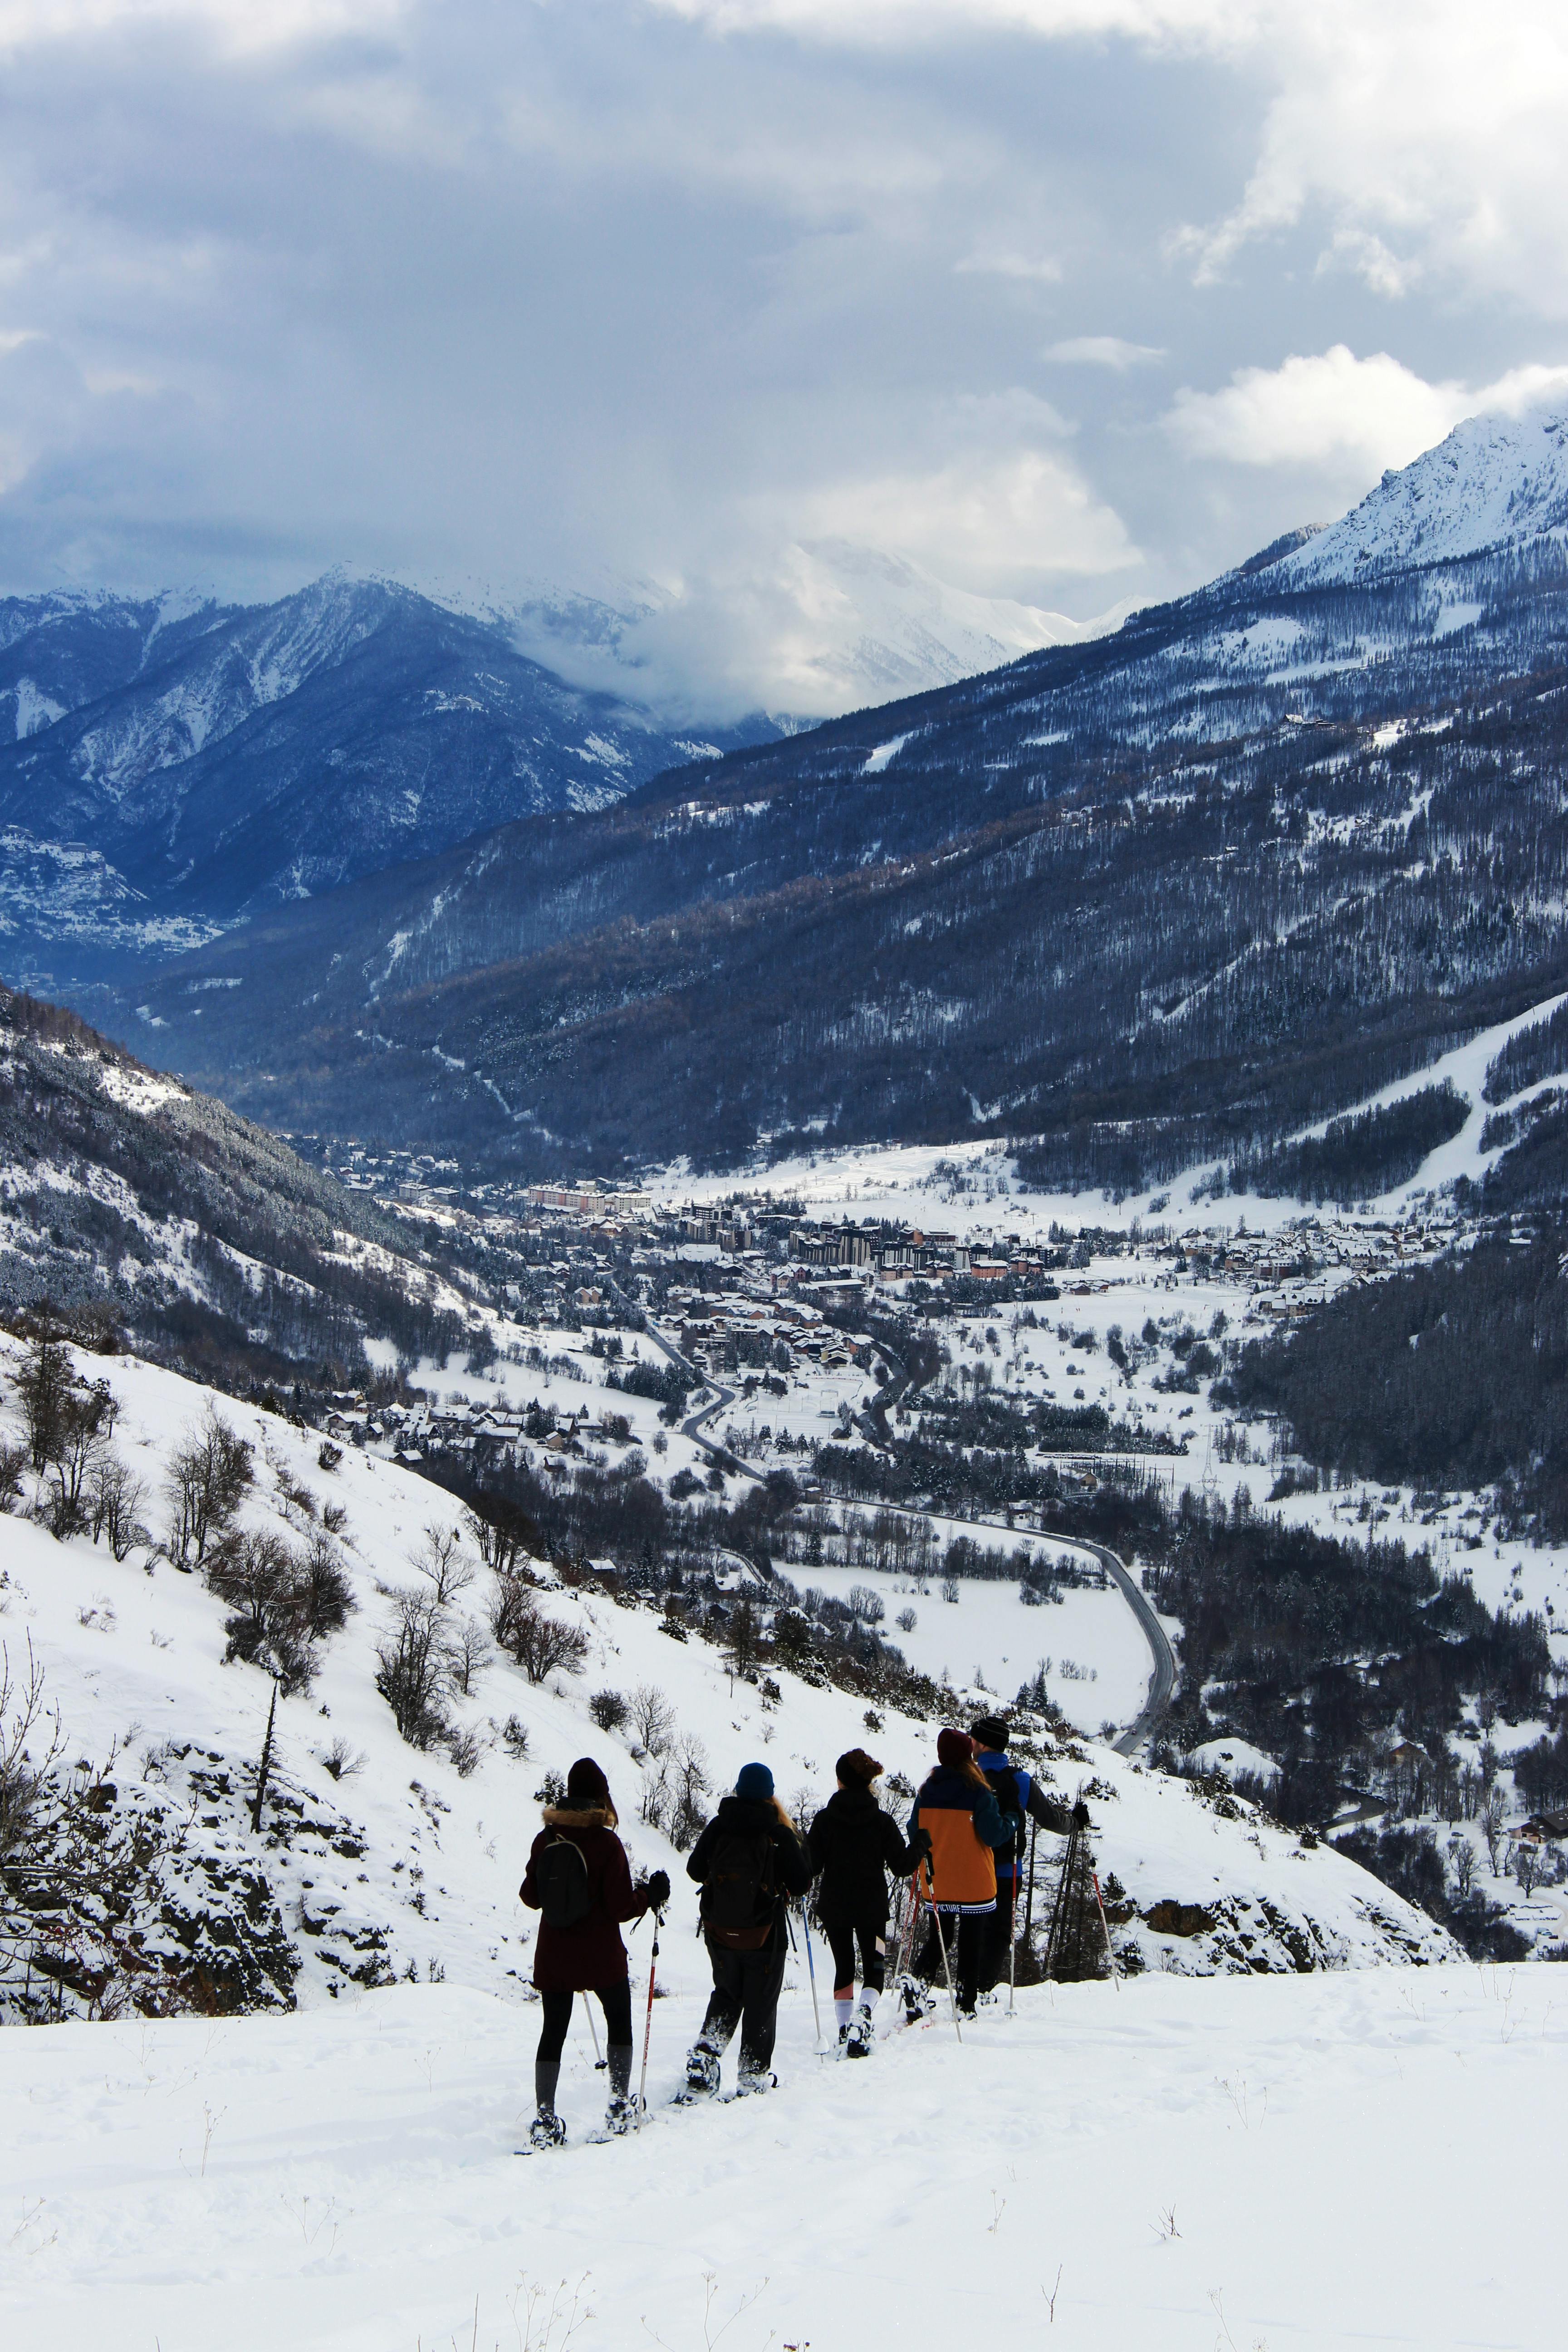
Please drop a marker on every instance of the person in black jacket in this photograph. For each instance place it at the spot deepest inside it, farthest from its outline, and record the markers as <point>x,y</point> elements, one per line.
<point>1022,1799</point>
<point>854,1844</point>
<point>748,1862</point>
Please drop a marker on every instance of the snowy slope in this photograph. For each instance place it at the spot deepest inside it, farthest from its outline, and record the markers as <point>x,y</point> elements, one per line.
<point>1496,478</point>
<point>1306,2164</point>
<point>411,1865</point>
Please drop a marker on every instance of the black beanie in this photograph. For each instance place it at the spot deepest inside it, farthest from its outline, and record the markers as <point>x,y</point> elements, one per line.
<point>990,1732</point>
<point>586,1784</point>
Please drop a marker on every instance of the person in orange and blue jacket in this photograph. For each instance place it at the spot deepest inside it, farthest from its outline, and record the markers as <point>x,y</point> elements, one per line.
<point>957,1809</point>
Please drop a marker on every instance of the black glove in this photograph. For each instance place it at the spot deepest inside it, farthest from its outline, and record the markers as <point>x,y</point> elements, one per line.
<point>920,1840</point>
<point>656,1889</point>
<point>1080,1815</point>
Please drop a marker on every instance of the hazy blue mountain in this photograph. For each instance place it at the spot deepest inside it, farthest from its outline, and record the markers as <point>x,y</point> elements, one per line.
<point>1174,889</point>
<point>173,765</point>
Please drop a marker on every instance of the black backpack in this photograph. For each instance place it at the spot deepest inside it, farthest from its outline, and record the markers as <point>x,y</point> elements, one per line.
<point>1010,1803</point>
<point>561,1875</point>
<point>739,1892</point>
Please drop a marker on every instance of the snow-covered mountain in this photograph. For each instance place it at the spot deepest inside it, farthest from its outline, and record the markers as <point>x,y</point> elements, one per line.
<point>1161,897</point>
<point>175,761</point>
<point>848,626</point>
<point>1497,482</point>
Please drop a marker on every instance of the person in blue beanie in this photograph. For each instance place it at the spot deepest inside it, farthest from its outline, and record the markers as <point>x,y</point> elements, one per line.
<point>1022,1799</point>
<point>748,1862</point>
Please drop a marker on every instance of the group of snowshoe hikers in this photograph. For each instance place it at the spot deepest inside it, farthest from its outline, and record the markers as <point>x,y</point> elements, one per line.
<point>963,1849</point>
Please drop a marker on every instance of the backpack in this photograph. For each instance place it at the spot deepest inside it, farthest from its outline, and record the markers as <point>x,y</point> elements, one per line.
<point>738,1893</point>
<point>561,1875</point>
<point>1009,1802</point>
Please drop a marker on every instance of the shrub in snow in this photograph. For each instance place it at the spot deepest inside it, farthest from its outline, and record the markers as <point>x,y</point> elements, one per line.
<point>608,1709</point>
<point>540,1644</point>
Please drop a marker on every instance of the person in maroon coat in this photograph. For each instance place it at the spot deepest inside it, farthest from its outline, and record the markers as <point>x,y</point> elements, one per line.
<point>579,1949</point>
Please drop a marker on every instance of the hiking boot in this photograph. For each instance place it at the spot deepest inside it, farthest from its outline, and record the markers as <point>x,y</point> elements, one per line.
<point>546,2131</point>
<point>620,2115</point>
<point>753,2079</point>
<point>858,2038</point>
<point>702,2069</point>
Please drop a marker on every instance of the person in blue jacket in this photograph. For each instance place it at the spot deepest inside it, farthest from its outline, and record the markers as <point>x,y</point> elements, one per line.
<point>1021,1800</point>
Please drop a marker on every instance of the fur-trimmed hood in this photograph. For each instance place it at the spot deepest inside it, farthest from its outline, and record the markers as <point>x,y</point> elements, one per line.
<point>579,1817</point>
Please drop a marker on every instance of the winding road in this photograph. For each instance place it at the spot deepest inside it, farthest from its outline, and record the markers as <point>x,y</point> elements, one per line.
<point>1162,1658</point>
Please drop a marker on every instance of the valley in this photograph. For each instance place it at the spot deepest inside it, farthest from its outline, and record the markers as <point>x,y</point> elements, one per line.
<point>944,1213</point>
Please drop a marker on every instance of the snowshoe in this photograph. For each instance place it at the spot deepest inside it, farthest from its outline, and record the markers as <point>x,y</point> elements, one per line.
<point>858,2038</point>
<point>546,2131</point>
<point>917,1999</point>
<point>620,2117</point>
<point>749,2081</point>
<point>702,2070</point>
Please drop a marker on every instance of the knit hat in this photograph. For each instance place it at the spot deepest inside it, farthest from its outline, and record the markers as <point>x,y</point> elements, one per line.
<point>754,1780</point>
<point>586,1784</point>
<point>856,1769</point>
<point>954,1747</point>
<point>989,1732</point>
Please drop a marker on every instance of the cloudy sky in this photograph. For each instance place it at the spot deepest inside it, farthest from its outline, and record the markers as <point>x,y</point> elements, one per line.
<point>1067,303</point>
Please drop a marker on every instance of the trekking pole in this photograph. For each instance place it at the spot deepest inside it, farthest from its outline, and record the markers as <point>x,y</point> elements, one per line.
<point>1105,1927</point>
<point>648,2027</point>
<point>1029,1905</point>
<point>599,2064</point>
<point>941,1939</point>
<point>811,1964</point>
<point>1011,1945</point>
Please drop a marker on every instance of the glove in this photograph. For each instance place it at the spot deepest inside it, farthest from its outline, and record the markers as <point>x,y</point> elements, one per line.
<point>919,1839</point>
<point>657,1890</point>
<point>1080,1815</point>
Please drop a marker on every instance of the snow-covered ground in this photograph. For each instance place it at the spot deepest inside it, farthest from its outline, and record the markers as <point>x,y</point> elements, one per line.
<point>417,1861</point>
<point>974,1189</point>
<point>1096,1659</point>
<point>1257,2165</point>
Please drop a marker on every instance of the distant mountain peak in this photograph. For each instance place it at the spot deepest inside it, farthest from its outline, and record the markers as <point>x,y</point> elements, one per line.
<point>1498,480</point>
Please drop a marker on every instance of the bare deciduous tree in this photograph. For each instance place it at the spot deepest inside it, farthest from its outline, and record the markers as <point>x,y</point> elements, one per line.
<point>413,1669</point>
<point>1462,1862</point>
<point>114,1502</point>
<point>653,1718</point>
<point>440,1559</point>
<point>471,1653</point>
<point>208,1477</point>
<point>540,1644</point>
<point>503,1533</point>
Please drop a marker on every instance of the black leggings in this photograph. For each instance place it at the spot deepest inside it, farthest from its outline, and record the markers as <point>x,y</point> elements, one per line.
<point>615,2000</point>
<point>872,1935</point>
<point>966,1934</point>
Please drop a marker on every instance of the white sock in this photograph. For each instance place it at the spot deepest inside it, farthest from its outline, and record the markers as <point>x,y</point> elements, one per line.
<point>869,1996</point>
<point>843,2010</point>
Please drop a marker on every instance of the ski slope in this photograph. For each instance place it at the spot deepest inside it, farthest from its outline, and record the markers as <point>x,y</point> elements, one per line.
<point>1257,2165</point>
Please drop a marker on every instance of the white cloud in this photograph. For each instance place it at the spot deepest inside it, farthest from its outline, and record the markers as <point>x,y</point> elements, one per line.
<point>1340,414</point>
<point>1430,130</point>
<point>999,521</point>
<point>1103,350</point>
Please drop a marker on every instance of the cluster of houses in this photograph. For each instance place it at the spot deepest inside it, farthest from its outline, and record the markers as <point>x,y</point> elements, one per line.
<point>713,1331</point>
